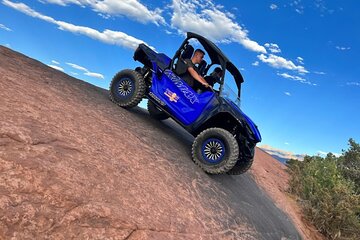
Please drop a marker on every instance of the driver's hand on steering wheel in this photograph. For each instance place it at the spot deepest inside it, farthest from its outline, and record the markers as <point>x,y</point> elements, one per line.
<point>206,85</point>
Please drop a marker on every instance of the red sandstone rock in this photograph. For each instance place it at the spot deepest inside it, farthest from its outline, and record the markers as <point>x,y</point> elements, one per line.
<point>74,165</point>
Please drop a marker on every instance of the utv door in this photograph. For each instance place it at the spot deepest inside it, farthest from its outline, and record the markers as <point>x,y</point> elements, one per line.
<point>180,100</point>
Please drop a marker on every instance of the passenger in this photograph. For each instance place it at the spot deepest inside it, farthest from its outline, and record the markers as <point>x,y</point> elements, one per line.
<point>215,76</point>
<point>192,72</point>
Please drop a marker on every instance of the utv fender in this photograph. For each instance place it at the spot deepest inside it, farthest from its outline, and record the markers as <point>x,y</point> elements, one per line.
<point>218,120</point>
<point>230,122</point>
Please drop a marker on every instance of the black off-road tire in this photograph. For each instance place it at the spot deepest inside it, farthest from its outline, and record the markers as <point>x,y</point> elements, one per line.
<point>127,88</point>
<point>215,139</point>
<point>155,112</point>
<point>241,166</point>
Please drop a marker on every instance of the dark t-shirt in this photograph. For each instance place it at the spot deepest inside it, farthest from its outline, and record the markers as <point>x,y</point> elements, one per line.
<point>187,76</point>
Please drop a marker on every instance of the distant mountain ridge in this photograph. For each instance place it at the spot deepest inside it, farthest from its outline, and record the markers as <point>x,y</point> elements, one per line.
<point>281,155</point>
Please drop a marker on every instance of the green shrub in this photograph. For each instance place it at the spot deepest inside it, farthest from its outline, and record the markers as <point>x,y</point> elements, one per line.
<point>350,164</point>
<point>329,199</point>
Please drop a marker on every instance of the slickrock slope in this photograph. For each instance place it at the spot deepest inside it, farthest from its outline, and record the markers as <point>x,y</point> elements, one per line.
<point>74,165</point>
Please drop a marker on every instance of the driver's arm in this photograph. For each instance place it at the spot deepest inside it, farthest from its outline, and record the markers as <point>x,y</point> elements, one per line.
<point>197,77</point>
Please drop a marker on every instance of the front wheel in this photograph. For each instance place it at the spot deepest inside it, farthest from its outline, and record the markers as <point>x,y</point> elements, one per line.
<point>127,88</point>
<point>215,150</point>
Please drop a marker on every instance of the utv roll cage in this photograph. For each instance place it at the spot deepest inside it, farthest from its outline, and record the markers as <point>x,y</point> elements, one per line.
<point>216,56</point>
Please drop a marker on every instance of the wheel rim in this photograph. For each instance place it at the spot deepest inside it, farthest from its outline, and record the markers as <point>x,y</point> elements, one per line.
<point>124,88</point>
<point>213,150</point>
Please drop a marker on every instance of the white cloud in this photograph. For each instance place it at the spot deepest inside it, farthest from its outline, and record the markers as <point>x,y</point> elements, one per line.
<point>2,26</point>
<point>77,67</point>
<point>132,9</point>
<point>86,71</point>
<point>287,93</point>
<point>353,84</point>
<point>286,143</point>
<point>298,6</point>
<point>256,63</point>
<point>300,60</point>
<point>169,32</point>
<point>321,5</point>
<point>299,10</point>
<point>342,48</point>
<point>205,18</point>
<point>107,36</point>
<point>56,67</point>
<point>95,75</point>
<point>319,73</point>
<point>273,6</point>
<point>295,78</point>
<point>60,2</point>
<point>27,10</point>
<point>55,62</point>
<point>73,65</point>
<point>286,75</point>
<point>273,47</point>
<point>281,63</point>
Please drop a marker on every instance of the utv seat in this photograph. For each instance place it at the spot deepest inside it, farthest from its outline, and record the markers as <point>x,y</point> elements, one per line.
<point>202,68</point>
<point>180,66</point>
<point>188,52</point>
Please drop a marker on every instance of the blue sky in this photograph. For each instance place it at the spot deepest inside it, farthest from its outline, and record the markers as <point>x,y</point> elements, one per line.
<point>299,59</point>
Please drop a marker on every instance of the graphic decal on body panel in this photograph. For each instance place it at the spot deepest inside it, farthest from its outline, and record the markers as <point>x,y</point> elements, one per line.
<point>173,97</point>
<point>186,90</point>
<point>156,99</point>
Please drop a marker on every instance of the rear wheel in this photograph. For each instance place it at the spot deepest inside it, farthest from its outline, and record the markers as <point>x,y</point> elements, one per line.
<point>215,150</point>
<point>241,166</point>
<point>127,88</point>
<point>155,112</point>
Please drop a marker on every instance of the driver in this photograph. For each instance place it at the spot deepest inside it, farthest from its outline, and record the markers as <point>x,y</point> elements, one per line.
<point>192,72</point>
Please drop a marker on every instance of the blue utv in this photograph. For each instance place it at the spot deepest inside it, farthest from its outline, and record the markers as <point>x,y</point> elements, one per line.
<point>225,137</point>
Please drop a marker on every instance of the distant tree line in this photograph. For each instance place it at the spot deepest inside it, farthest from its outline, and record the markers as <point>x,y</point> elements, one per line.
<point>328,190</point>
